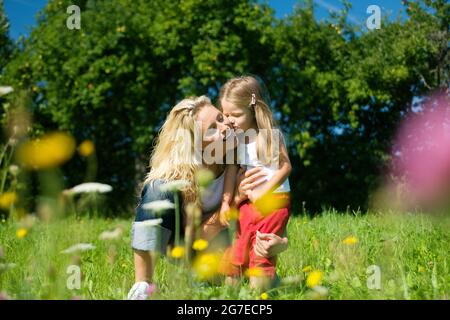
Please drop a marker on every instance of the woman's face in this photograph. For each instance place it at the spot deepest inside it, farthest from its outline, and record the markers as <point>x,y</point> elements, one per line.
<point>216,128</point>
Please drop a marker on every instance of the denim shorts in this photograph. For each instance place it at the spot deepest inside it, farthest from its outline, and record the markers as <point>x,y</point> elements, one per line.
<point>157,238</point>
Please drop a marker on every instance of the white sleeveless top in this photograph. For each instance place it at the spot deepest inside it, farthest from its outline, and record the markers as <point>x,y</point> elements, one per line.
<point>247,157</point>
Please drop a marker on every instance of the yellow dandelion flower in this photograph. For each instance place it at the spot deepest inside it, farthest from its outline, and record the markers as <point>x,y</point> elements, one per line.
<point>271,202</point>
<point>177,252</point>
<point>314,278</point>
<point>254,272</point>
<point>307,269</point>
<point>21,233</point>
<point>200,245</point>
<point>421,269</point>
<point>86,148</point>
<point>264,296</point>
<point>7,199</point>
<point>350,240</point>
<point>206,266</point>
<point>49,151</point>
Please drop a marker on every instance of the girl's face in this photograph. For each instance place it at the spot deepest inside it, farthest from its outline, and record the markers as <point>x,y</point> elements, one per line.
<point>240,118</point>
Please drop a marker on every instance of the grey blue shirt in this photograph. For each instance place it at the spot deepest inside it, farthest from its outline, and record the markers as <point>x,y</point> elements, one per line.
<point>156,238</point>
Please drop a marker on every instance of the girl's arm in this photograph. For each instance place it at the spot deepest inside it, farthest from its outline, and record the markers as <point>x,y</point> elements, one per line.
<point>278,177</point>
<point>212,226</point>
<point>228,192</point>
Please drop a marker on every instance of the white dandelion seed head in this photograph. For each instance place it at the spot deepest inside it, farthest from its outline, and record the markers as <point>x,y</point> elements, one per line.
<point>321,291</point>
<point>14,169</point>
<point>292,280</point>
<point>175,185</point>
<point>79,247</point>
<point>5,90</point>
<point>158,205</point>
<point>148,223</point>
<point>111,234</point>
<point>7,266</point>
<point>91,187</point>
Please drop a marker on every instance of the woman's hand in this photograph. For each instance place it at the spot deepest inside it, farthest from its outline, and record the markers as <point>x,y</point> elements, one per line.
<point>248,180</point>
<point>268,245</point>
<point>254,195</point>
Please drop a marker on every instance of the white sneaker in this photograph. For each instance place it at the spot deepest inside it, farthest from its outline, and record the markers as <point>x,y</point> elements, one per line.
<point>139,291</point>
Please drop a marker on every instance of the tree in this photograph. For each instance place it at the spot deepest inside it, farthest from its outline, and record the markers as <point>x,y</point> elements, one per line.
<point>343,92</point>
<point>5,41</point>
<point>338,91</point>
<point>5,49</point>
<point>114,80</point>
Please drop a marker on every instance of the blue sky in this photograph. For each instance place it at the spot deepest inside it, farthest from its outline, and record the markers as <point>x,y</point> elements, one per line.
<point>22,13</point>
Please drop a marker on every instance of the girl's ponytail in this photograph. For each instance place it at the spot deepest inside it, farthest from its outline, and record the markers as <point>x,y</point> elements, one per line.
<point>267,142</point>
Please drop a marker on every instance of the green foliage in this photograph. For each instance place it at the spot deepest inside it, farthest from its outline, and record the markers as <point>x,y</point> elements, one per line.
<point>5,42</point>
<point>339,91</point>
<point>342,93</point>
<point>114,80</point>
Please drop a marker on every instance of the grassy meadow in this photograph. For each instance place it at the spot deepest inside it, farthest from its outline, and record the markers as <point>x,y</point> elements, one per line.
<point>410,252</point>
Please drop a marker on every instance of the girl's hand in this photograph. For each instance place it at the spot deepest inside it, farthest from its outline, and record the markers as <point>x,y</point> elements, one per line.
<point>268,245</point>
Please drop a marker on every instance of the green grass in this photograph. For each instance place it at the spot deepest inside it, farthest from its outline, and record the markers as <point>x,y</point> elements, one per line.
<point>411,251</point>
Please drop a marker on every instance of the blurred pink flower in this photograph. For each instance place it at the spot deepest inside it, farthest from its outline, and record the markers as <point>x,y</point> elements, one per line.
<point>151,289</point>
<point>4,296</point>
<point>421,152</point>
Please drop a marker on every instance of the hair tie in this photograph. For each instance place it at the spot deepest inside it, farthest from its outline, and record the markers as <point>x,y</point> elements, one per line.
<point>253,102</point>
<point>190,108</point>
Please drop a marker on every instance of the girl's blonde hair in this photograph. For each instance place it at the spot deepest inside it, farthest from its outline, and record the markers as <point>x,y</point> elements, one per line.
<point>240,91</point>
<point>173,156</point>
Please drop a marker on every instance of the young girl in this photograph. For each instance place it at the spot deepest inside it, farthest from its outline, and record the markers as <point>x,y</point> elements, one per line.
<point>244,100</point>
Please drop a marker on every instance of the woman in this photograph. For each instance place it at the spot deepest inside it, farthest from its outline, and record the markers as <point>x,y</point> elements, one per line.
<point>176,157</point>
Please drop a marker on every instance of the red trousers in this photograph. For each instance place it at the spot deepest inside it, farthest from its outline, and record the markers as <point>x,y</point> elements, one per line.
<point>241,255</point>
